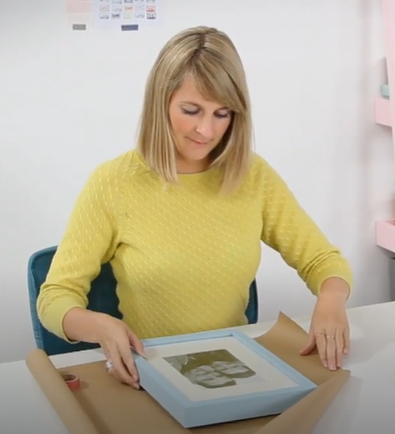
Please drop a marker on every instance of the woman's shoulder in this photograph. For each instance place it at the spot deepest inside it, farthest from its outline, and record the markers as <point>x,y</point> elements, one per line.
<point>260,166</point>
<point>261,174</point>
<point>119,169</point>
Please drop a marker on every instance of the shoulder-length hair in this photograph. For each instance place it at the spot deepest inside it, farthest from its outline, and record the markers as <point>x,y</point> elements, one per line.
<point>211,59</point>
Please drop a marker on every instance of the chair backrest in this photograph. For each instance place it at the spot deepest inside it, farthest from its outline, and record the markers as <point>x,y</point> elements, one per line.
<point>101,298</point>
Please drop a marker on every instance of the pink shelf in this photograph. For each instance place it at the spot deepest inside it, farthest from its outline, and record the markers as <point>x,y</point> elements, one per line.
<point>383,112</point>
<point>385,234</point>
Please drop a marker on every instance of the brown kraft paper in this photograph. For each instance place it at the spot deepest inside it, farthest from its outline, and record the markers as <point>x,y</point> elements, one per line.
<point>102,405</point>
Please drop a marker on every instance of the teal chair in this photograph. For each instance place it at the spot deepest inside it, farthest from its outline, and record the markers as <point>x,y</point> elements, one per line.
<point>102,298</point>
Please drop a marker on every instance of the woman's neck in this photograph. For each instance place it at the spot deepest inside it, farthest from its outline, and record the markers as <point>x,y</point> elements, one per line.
<point>189,167</point>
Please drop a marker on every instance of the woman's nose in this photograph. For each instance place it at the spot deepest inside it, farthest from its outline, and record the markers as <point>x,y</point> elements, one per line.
<point>205,128</point>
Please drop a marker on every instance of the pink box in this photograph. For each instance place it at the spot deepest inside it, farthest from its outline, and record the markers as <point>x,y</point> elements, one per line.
<point>383,112</point>
<point>79,6</point>
<point>385,234</point>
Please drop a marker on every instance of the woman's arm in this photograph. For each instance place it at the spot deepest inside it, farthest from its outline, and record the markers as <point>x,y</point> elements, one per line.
<point>290,231</point>
<point>89,240</point>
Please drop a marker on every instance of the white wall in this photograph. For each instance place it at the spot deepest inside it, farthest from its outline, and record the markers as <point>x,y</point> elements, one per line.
<point>70,100</point>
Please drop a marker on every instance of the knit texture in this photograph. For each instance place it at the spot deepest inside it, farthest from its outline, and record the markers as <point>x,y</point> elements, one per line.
<point>183,256</point>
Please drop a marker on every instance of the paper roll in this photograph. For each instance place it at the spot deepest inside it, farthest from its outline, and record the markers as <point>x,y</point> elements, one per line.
<point>59,394</point>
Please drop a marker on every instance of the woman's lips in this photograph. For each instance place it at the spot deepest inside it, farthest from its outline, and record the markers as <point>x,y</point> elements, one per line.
<point>197,142</point>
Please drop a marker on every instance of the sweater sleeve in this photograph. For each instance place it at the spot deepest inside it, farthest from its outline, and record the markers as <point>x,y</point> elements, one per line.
<point>89,240</point>
<point>292,233</point>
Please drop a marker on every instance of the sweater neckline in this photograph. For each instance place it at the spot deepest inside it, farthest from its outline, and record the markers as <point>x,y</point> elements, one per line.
<point>181,176</point>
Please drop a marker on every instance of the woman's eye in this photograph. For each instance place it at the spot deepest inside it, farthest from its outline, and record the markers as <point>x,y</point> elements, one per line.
<point>190,112</point>
<point>222,115</point>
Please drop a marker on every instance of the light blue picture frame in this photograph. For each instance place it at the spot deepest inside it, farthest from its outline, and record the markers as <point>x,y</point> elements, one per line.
<point>220,410</point>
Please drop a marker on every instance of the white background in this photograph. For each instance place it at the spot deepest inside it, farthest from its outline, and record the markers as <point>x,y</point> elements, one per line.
<point>70,100</point>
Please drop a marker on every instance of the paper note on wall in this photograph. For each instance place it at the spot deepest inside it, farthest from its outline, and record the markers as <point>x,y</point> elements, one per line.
<point>125,15</point>
<point>79,13</point>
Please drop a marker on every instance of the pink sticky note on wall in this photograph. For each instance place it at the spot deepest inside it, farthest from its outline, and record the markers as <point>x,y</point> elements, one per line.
<point>79,6</point>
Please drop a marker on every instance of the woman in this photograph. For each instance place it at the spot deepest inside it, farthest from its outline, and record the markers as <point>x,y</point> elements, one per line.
<point>182,218</point>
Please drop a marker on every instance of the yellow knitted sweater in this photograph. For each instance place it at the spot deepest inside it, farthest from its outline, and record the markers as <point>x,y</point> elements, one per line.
<point>183,256</point>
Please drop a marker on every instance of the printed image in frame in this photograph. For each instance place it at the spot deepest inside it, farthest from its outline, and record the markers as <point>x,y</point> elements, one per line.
<point>213,369</point>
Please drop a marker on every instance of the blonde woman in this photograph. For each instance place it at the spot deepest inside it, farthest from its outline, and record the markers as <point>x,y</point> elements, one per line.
<point>182,218</point>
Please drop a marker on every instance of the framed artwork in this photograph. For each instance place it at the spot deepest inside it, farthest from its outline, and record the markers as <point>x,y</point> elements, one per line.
<point>218,376</point>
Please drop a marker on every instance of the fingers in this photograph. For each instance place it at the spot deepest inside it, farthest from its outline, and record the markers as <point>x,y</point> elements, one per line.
<point>310,345</point>
<point>331,348</point>
<point>339,348</point>
<point>321,348</point>
<point>127,358</point>
<point>123,367</point>
<point>346,340</point>
<point>136,344</point>
<point>332,345</point>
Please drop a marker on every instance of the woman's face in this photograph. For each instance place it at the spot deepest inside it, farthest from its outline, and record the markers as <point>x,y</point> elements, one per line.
<point>208,377</point>
<point>198,126</point>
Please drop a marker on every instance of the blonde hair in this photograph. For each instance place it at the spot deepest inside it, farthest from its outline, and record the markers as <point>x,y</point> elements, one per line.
<point>211,59</point>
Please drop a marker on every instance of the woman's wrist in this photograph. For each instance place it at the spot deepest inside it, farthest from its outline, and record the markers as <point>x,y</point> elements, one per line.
<point>334,289</point>
<point>81,325</point>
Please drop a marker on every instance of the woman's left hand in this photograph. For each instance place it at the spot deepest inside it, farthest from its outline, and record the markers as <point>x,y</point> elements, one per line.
<point>329,329</point>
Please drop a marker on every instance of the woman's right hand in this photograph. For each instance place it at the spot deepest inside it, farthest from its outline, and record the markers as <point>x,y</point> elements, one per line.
<point>116,340</point>
<point>112,334</point>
